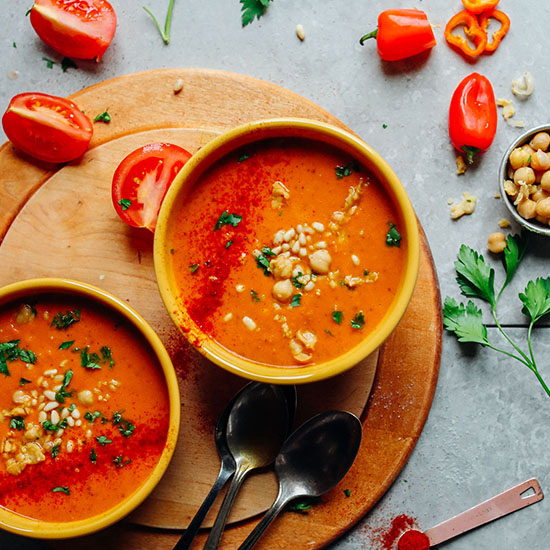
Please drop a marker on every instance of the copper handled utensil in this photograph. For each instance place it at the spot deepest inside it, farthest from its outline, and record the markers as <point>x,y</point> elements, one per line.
<point>500,505</point>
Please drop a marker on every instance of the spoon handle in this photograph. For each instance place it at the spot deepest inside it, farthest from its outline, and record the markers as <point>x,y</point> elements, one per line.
<point>494,508</point>
<point>269,516</point>
<point>213,540</point>
<point>187,538</point>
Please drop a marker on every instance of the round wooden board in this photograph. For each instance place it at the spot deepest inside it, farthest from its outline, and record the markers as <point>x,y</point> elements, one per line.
<point>61,224</point>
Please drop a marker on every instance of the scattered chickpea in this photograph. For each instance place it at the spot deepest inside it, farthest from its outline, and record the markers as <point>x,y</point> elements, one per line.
<point>526,209</point>
<point>540,141</point>
<point>496,242</point>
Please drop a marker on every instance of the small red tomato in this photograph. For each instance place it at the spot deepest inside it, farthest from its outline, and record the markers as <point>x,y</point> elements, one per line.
<point>142,179</point>
<point>75,28</point>
<point>46,127</point>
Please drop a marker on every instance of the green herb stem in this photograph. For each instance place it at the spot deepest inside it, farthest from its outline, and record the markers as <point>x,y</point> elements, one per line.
<point>167,23</point>
<point>511,342</point>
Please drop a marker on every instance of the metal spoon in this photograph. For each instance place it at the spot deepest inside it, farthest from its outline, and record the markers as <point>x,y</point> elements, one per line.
<point>257,427</point>
<point>312,461</point>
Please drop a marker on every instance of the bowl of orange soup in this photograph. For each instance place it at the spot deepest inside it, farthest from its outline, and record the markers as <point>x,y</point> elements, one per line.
<point>286,250</point>
<point>89,408</point>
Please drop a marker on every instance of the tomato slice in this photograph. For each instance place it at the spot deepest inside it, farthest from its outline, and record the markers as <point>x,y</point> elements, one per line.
<point>75,28</point>
<point>46,127</point>
<point>141,180</point>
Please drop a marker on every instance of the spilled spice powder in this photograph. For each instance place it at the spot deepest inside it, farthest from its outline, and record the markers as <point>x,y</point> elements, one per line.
<point>387,538</point>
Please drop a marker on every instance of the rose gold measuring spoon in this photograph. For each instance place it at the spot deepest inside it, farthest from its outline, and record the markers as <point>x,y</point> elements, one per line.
<point>505,503</point>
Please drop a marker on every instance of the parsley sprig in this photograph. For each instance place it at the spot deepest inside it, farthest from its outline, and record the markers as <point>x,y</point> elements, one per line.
<point>252,9</point>
<point>476,279</point>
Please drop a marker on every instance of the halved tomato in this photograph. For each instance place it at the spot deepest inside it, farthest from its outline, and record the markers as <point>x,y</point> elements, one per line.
<point>75,28</point>
<point>142,179</point>
<point>47,127</point>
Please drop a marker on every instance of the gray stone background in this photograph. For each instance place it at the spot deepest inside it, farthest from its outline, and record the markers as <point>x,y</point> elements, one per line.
<point>489,425</point>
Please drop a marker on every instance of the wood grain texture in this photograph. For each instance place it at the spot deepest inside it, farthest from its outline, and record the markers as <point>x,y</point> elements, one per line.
<point>61,223</point>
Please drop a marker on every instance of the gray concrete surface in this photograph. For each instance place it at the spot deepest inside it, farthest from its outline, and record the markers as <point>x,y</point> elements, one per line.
<point>490,421</point>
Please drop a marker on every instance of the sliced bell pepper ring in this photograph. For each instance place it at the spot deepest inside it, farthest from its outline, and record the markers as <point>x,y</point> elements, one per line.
<point>471,30</point>
<point>479,6</point>
<point>503,19</point>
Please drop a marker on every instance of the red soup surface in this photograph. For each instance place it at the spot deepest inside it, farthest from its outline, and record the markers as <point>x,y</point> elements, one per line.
<point>83,408</point>
<point>287,252</point>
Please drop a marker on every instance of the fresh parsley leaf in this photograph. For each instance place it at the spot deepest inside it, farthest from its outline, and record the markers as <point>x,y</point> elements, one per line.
<point>49,62</point>
<point>255,296</point>
<point>358,322</point>
<point>14,45</point>
<point>337,316</point>
<point>55,451</point>
<point>62,392</point>
<point>393,238</point>
<point>51,427</point>
<point>263,263</point>
<point>66,345</point>
<point>10,351</point>
<point>72,407</point>
<point>536,299</point>
<point>106,355</point>
<point>103,117</point>
<point>193,268</point>
<point>89,360</point>
<point>328,332</point>
<point>102,440</point>
<point>475,277</point>
<point>227,219</point>
<point>118,461</point>
<point>23,381</point>
<point>164,33</point>
<point>93,456</point>
<point>228,244</point>
<point>516,246</point>
<point>366,272</point>
<point>296,300</point>
<point>296,282</point>
<point>91,417</point>
<point>465,321</point>
<point>65,320</point>
<point>64,490</point>
<point>252,9</point>
<point>125,204</point>
<point>303,506</point>
<point>125,427</point>
<point>347,492</point>
<point>384,126</point>
<point>67,63</point>
<point>243,157</point>
<point>266,251</point>
<point>347,170</point>
<point>17,423</point>
<point>27,356</point>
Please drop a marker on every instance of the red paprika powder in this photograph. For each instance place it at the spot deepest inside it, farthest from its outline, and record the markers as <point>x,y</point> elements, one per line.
<point>413,540</point>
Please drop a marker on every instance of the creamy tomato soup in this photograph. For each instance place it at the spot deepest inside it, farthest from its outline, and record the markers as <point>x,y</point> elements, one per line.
<point>287,252</point>
<point>83,408</point>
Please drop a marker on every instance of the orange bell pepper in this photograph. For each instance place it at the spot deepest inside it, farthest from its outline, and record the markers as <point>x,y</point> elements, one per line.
<point>503,19</point>
<point>479,6</point>
<point>471,29</point>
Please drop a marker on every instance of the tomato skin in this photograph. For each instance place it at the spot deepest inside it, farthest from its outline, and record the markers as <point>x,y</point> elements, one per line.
<point>75,28</point>
<point>143,178</point>
<point>46,127</point>
<point>473,115</point>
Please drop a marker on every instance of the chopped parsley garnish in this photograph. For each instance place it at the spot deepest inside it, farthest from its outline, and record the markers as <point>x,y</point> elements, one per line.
<point>529,160</point>
<point>172,251</point>
<point>296,300</point>
<point>125,427</point>
<point>303,506</point>
<point>23,381</point>
<point>384,126</point>
<point>65,320</point>
<point>62,392</point>
<point>366,272</point>
<point>27,356</point>
<point>90,417</point>
<point>51,427</point>
<point>296,282</point>
<point>227,219</point>
<point>193,268</point>
<point>337,316</point>
<point>10,351</point>
<point>89,360</point>
<point>255,296</point>
<point>328,332</point>
<point>358,322</point>
<point>49,62</point>
<point>243,157</point>
<point>107,356</point>
<point>266,251</point>
<point>103,117</point>
<point>17,423</point>
<point>64,490</point>
<point>55,451</point>
<point>393,238</point>
<point>228,244</point>
<point>102,440</point>
<point>14,45</point>
<point>118,461</point>
<point>67,63</point>
<point>347,492</point>
<point>72,407</point>
<point>125,204</point>
<point>263,263</point>
<point>66,345</point>
<point>93,456</point>
<point>252,9</point>
<point>347,170</point>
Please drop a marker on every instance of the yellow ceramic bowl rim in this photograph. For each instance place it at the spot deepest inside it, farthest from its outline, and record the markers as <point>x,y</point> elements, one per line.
<point>22,525</point>
<point>248,133</point>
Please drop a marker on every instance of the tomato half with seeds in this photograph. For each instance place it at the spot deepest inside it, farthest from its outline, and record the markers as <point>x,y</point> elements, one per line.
<point>142,179</point>
<point>75,28</point>
<point>46,127</point>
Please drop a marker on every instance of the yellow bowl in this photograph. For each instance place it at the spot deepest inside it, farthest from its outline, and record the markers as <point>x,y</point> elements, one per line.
<point>174,204</point>
<point>22,525</point>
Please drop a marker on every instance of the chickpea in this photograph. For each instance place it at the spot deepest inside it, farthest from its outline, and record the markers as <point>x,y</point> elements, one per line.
<point>540,141</point>
<point>282,290</point>
<point>539,194</point>
<point>524,174</point>
<point>496,242</point>
<point>519,158</point>
<point>86,397</point>
<point>545,181</point>
<point>526,209</point>
<point>543,208</point>
<point>320,261</point>
<point>540,161</point>
<point>529,149</point>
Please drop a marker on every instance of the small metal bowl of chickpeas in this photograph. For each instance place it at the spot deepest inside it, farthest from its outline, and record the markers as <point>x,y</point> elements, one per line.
<point>524,179</point>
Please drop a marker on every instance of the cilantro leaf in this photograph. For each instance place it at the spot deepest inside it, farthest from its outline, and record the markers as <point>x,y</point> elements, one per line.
<point>89,360</point>
<point>536,299</point>
<point>337,316</point>
<point>358,322</point>
<point>17,423</point>
<point>347,170</point>
<point>102,440</point>
<point>296,300</point>
<point>516,246</point>
<point>55,451</point>
<point>252,9</point>
<point>66,345</point>
<point>103,117</point>
<point>227,219</point>
<point>64,490</point>
<point>393,237</point>
<point>465,321</point>
<point>263,263</point>
<point>65,320</point>
<point>266,251</point>
<point>62,392</point>
<point>475,278</point>
<point>106,355</point>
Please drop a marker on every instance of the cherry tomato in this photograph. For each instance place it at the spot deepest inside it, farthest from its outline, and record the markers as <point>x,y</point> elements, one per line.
<point>142,179</point>
<point>46,127</point>
<point>75,28</point>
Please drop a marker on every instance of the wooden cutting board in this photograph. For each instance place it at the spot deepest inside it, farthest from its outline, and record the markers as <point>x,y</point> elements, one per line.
<point>61,223</point>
